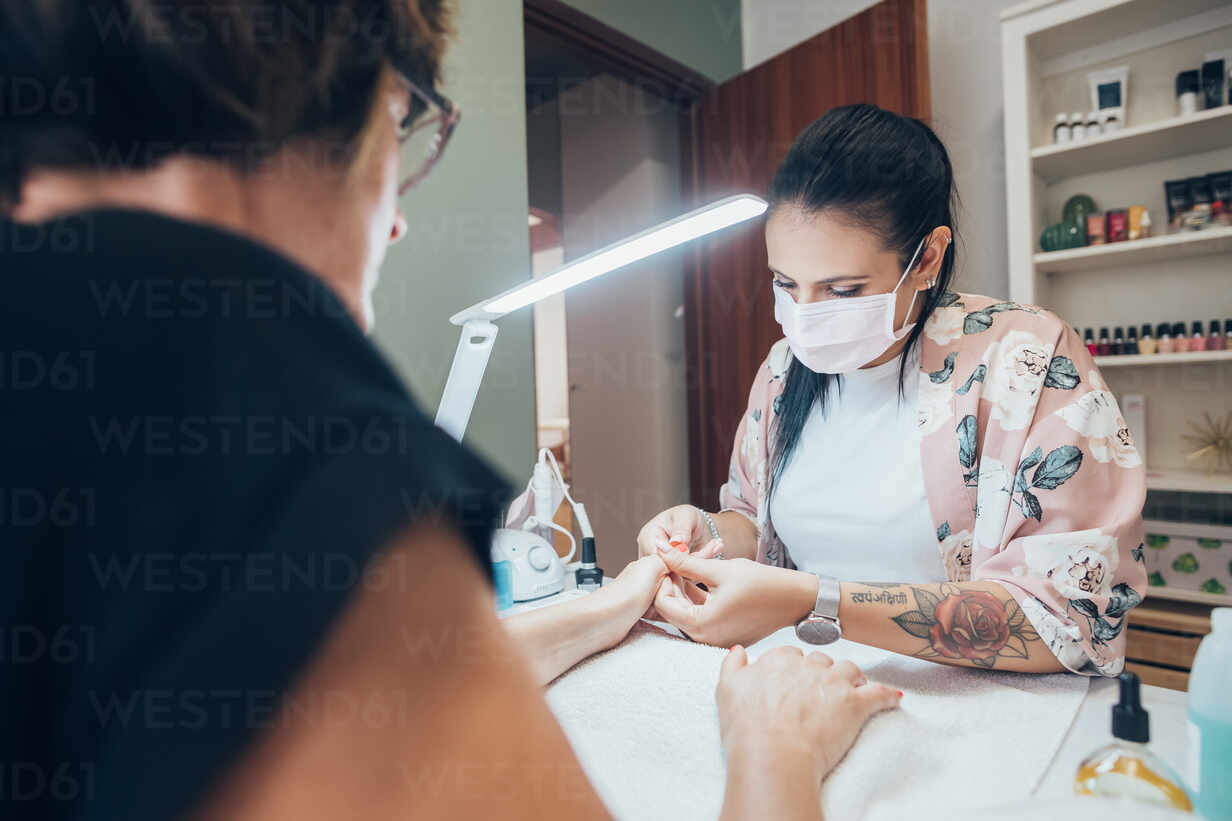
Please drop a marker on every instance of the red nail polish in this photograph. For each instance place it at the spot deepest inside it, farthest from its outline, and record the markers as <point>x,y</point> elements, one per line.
<point>900,693</point>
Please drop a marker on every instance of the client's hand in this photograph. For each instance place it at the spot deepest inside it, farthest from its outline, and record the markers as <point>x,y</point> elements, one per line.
<point>744,601</point>
<point>786,721</point>
<point>632,592</point>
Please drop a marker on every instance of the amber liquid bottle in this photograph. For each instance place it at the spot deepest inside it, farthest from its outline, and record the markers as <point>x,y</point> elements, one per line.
<point>1127,768</point>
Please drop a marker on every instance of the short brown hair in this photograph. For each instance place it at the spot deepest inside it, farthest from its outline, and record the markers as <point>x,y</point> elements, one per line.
<point>125,83</point>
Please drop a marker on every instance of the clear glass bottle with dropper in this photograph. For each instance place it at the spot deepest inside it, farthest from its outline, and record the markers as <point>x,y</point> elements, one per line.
<point>1127,768</point>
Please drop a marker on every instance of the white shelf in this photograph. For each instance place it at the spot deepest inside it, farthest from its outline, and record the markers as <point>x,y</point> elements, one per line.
<point>1134,145</point>
<point>1212,240</point>
<point>1188,357</point>
<point>1189,481</point>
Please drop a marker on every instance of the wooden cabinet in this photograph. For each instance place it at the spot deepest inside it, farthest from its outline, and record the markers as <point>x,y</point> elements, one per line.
<point>1162,639</point>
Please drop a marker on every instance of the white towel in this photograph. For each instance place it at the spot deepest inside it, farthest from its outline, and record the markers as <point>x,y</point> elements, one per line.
<point>642,720</point>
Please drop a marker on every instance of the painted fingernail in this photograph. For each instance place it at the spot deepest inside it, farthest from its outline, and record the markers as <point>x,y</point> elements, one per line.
<point>900,693</point>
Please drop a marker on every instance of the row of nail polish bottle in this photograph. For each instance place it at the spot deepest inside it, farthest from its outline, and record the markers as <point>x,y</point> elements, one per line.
<point>1167,338</point>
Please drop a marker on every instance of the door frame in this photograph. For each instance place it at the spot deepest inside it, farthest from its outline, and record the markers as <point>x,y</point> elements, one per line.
<point>634,61</point>
<point>616,52</point>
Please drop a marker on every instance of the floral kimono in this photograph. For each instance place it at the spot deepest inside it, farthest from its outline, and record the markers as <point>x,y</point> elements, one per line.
<point>1032,477</point>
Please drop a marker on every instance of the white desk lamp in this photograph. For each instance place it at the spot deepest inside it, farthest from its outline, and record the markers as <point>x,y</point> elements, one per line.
<point>479,334</point>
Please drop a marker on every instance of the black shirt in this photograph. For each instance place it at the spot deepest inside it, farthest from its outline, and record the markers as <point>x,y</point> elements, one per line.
<point>199,454</point>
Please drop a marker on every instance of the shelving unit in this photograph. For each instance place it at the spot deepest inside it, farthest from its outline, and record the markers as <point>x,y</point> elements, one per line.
<point>1048,49</point>
<point>1192,481</point>
<point>1146,360</point>
<point>1163,139</point>
<point>1213,240</point>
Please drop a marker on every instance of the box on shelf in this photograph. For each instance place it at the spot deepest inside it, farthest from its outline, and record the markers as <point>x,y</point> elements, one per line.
<point>1189,557</point>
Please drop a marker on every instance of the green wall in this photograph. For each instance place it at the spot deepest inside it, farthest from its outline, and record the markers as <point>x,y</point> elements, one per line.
<point>705,35</point>
<point>468,240</point>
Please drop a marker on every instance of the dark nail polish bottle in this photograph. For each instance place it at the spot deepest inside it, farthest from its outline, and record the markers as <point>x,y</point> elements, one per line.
<point>1215,340</point>
<point>1088,339</point>
<point>1118,342</point>
<point>1131,342</point>
<point>1104,346</point>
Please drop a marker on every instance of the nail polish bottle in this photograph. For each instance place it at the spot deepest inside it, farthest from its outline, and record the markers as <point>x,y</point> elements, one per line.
<point>1118,342</point>
<point>1197,339</point>
<point>1146,345</point>
<point>1215,340</point>
<point>1088,339</point>
<point>1180,341</point>
<point>1227,334</point>
<point>1104,346</point>
<point>1131,342</point>
<point>1163,339</point>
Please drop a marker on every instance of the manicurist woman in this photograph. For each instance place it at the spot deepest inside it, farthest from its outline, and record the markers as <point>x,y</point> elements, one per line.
<point>939,474</point>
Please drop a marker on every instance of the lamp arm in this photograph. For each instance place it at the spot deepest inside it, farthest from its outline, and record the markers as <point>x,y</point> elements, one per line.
<point>470,361</point>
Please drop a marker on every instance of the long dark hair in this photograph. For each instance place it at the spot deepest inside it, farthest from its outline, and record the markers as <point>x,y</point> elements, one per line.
<point>880,171</point>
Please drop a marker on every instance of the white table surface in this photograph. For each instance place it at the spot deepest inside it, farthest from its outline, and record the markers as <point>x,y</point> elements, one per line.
<point>1092,727</point>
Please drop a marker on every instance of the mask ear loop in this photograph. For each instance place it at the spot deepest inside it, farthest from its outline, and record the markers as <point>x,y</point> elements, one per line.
<point>914,293</point>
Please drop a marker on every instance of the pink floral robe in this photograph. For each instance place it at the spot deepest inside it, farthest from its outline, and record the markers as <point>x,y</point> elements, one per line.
<point>1032,477</point>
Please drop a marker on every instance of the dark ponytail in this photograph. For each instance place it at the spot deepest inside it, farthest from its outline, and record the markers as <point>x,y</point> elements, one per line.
<point>877,170</point>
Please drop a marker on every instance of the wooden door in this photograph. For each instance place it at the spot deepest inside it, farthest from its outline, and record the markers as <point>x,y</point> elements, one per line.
<point>738,134</point>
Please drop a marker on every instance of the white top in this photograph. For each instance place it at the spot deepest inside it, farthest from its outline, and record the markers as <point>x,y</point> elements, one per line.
<point>851,501</point>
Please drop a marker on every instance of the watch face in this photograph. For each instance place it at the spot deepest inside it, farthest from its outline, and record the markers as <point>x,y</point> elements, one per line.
<point>818,631</point>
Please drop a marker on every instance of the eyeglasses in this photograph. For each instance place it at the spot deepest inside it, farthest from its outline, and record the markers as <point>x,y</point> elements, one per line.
<point>424,133</point>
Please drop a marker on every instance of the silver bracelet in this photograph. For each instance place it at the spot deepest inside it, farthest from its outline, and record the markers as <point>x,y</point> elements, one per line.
<point>714,529</point>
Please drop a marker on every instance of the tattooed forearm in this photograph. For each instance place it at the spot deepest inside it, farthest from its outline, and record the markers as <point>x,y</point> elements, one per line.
<point>882,597</point>
<point>967,625</point>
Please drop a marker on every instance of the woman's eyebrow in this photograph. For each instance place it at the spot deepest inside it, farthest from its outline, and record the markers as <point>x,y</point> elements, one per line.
<point>827,281</point>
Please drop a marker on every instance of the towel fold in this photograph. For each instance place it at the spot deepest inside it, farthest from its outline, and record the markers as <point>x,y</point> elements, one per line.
<point>642,720</point>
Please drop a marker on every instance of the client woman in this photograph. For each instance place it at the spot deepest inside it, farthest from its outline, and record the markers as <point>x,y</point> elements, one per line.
<point>934,473</point>
<point>191,228</point>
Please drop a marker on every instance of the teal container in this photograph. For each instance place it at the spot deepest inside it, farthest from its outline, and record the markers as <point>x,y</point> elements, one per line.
<point>1211,746</point>
<point>1210,721</point>
<point>502,576</point>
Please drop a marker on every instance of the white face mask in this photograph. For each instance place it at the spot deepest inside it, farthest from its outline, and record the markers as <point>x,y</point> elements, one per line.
<point>841,335</point>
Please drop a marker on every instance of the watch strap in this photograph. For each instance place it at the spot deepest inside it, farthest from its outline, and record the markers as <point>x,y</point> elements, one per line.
<point>829,592</point>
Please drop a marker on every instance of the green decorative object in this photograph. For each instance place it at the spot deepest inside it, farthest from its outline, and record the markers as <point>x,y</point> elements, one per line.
<point>1073,235</point>
<point>1210,544</point>
<point>1157,541</point>
<point>1212,585</point>
<point>1185,563</point>
<point>1050,239</point>
<point>1076,210</point>
<point>1156,580</point>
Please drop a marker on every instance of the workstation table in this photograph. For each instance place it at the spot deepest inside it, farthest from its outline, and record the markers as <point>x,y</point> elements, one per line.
<point>1090,729</point>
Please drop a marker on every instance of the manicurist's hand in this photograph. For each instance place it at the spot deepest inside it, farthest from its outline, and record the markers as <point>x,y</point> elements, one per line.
<point>682,524</point>
<point>744,601</point>
<point>786,720</point>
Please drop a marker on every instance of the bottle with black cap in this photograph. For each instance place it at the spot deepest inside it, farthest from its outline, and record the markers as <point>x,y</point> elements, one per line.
<point>1126,768</point>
